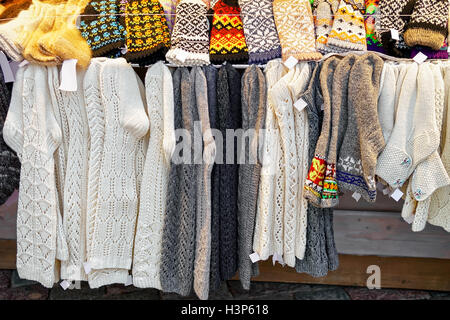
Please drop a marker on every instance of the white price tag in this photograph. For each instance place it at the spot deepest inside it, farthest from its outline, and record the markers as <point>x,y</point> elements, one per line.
<point>291,62</point>
<point>322,107</point>
<point>23,63</point>
<point>356,196</point>
<point>420,58</point>
<point>277,258</point>
<point>124,50</point>
<point>129,280</point>
<point>254,257</point>
<point>397,195</point>
<point>69,75</point>
<point>8,74</point>
<point>395,35</point>
<point>182,56</point>
<point>300,104</point>
<point>87,267</point>
<point>65,284</point>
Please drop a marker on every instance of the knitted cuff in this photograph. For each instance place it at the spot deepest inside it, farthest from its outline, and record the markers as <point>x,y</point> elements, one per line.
<point>394,166</point>
<point>100,278</point>
<point>442,53</point>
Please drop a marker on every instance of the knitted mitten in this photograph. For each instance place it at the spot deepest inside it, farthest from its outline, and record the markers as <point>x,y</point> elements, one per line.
<point>295,27</point>
<point>11,9</point>
<point>428,25</point>
<point>65,40</point>
<point>373,44</point>
<point>324,11</point>
<point>442,53</point>
<point>227,34</point>
<point>169,7</point>
<point>314,183</point>
<point>190,37</point>
<point>102,27</point>
<point>348,31</point>
<point>394,14</point>
<point>260,30</point>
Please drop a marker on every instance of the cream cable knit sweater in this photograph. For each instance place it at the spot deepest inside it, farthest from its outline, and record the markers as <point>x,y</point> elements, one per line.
<point>126,123</point>
<point>147,250</point>
<point>266,225</point>
<point>32,132</point>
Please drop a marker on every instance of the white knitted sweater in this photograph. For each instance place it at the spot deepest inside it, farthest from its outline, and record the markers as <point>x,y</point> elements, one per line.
<point>31,130</point>
<point>147,251</point>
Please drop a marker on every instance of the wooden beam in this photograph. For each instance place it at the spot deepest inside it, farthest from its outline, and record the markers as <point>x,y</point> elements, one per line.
<point>7,254</point>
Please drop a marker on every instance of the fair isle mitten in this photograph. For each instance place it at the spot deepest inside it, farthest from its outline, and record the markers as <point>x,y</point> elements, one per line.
<point>394,14</point>
<point>348,32</point>
<point>227,33</point>
<point>295,26</point>
<point>428,25</point>
<point>101,26</point>
<point>260,30</point>
<point>170,7</point>
<point>324,11</point>
<point>190,37</point>
<point>373,43</point>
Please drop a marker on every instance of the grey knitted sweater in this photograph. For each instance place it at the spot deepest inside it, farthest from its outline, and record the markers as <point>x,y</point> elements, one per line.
<point>254,93</point>
<point>9,162</point>
<point>179,234</point>
<point>320,254</point>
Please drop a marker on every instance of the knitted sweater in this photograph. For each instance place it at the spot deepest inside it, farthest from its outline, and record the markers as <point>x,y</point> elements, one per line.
<point>10,164</point>
<point>147,249</point>
<point>254,98</point>
<point>179,233</point>
<point>32,132</point>
<point>126,123</point>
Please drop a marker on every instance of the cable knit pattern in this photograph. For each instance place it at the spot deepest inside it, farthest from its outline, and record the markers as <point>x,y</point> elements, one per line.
<point>32,131</point>
<point>126,123</point>
<point>178,244</point>
<point>148,240</point>
<point>254,99</point>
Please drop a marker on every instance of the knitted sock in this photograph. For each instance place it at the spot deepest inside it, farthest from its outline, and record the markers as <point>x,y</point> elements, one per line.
<point>373,44</point>
<point>348,31</point>
<point>169,7</point>
<point>257,16</point>
<point>65,41</point>
<point>295,27</point>
<point>428,25</point>
<point>145,35</point>
<point>190,37</point>
<point>101,26</point>
<point>394,14</point>
<point>324,11</point>
<point>227,34</point>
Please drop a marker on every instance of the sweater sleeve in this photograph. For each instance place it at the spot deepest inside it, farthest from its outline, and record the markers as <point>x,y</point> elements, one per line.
<point>169,140</point>
<point>13,127</point>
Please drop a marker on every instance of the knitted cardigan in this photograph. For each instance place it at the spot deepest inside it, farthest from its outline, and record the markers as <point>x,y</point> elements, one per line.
<point>228,117</point>
<point>320,254</point>
<point>148,239</point>
<point>126,124</point>
<point>32,132</point>
<point>254,98</point>
<point>10,164</point>
<point>179,233</point>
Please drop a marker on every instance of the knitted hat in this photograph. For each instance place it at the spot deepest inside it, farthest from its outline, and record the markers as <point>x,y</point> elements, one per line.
<point>227,34</point>
<point>363,93</point>
<point>324,11</point>
<point>11,9</point>
<point>428,25</point>
<point>190,37</point>
<point>373,44</point>
<point>394,14</point>
<point>260,31</point>
<point>295,28</point>
<point>348,31</point>
<point>146,29</point>
<point>314,183</point>
<point>65,40</point>
<point>101,26</point>
<point>415,135</point>
<point>169,7</point>
<point>442,53</point>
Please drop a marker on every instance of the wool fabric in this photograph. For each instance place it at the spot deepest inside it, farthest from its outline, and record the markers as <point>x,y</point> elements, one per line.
<point>169,7</point>
<point>324,12</point>
<point>254,98</point>
<point>32,132</point>
<point>372,12</point>
<point>227,33</point>
<point>260,30</point>
<point>102,27</point>
<point>294,18</point>
<point>442,53</point>
<point>190,37</point>
<point>147,33</point>
<point>428,24</point>
<point>179,235</point>
<point>348,31</point>
<point>148,240</point>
